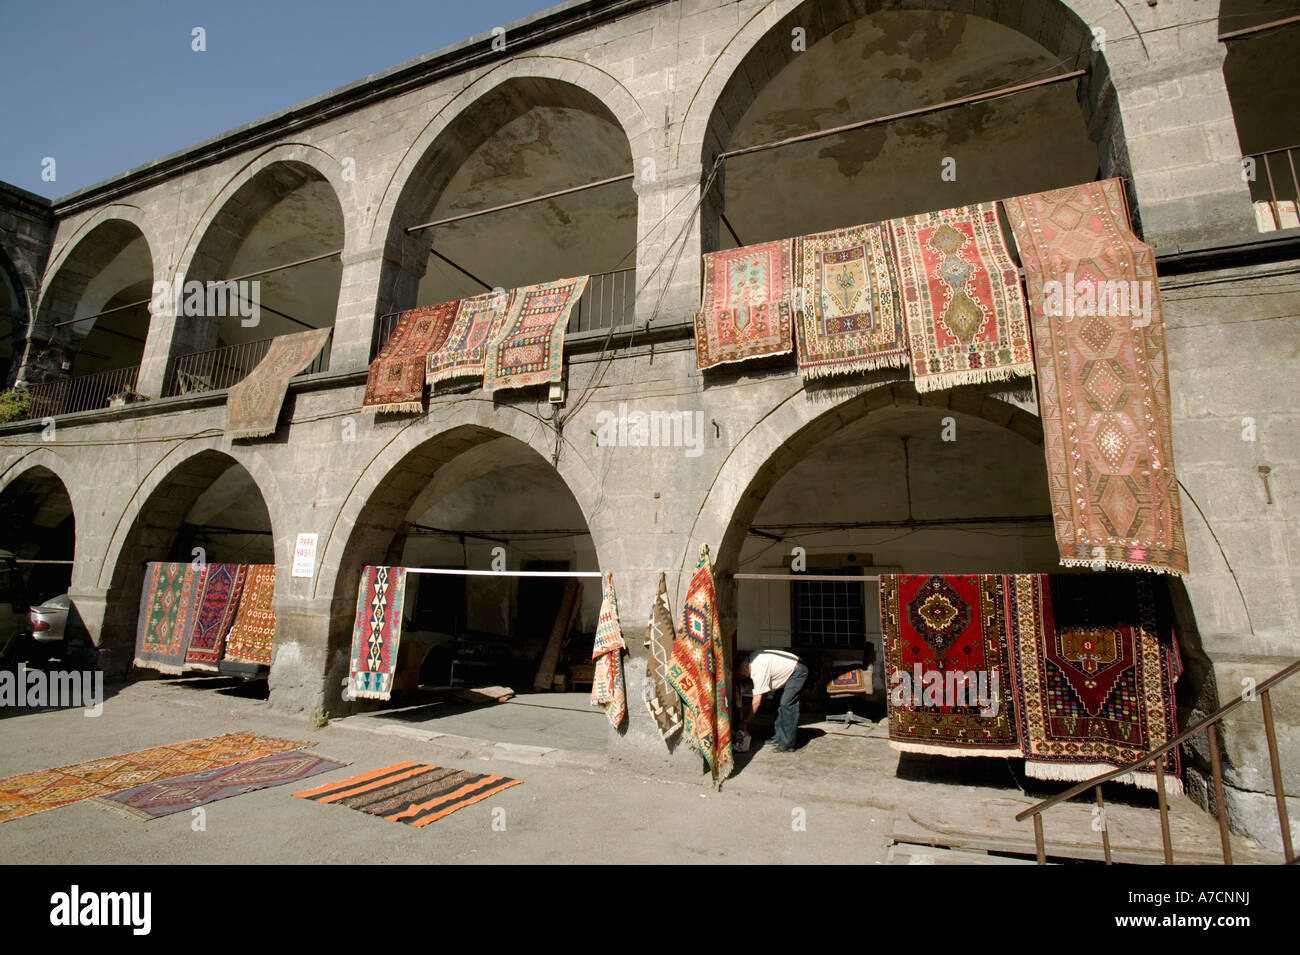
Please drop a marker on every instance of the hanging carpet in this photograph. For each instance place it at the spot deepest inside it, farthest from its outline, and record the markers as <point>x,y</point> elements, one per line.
<point>377,633</point>
<point>747,304</point>
<point>169,607</point>
<point>253,632</point>
<point>528,348</point>
<point>222,586</point>
<point>396,379</point>
<point>253,405</point>
<point>607,689</point>
<point>463,351</point>
<point>660,697</point>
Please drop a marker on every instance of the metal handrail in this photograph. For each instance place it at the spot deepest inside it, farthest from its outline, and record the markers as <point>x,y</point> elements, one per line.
<point>216,368</point>
<point>1274,197</point>
<point>80,393</point>
<point>1155,756</point>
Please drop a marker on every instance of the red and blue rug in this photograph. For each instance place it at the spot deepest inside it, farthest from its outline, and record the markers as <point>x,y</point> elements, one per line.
<point>377,633</point>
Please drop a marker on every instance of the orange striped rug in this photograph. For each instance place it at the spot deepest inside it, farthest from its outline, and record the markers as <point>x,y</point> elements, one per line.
<point>413,793</point>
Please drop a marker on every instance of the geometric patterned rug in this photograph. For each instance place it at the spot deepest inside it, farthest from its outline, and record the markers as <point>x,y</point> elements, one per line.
<point>180,793</point>
<point>851,318</point>
<point>222,586</point>
<point>462,352</point>
<point>607,689</point>
<point>528,347</point>
<point>1103,379</point>
<point>746,307</point>
<point>376,633</point>
<point>33,792</point>
<point>946,665</point>
<point>169,607</point>
<point>412,793</point>
<point>396,380</point>
<point>253,405</point>
<point>966,321</point>
<point>1095,663</point>
<point>252,635</point>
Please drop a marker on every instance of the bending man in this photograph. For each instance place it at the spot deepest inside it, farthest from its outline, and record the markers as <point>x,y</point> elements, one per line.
<point>772,670</point>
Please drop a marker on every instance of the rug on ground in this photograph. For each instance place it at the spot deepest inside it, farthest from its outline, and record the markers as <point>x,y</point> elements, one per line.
<point>223,584</point>
<point>183,793</point>
<point>253,405</point>
<point>1095,663</point>
<point>1103,379</point>
<point>746,310</point>
<point>396,379</point>
<point>946,665</point>
<point>169,607</point>
<point>376,633</point>
<point>660,697</point>
<point>849,318</point>
<point>960,291</point>
<point>253,632</point>
<point>607,688</point>
<point>698,673</point>
<point>33,792</point>
<point>528,348</point>
<point>412,793</point>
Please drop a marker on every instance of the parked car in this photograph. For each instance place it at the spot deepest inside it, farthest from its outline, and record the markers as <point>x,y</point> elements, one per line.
<point>57,629</point>
<point>37,635</point>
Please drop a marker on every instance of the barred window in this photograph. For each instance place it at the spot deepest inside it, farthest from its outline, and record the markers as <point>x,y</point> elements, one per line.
<point>827,614</point>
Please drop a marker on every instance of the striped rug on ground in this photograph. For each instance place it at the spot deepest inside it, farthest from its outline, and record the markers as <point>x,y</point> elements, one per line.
<point>413,793</point>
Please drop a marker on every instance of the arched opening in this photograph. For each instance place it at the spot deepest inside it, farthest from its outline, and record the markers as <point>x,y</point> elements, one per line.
<point>40,530</point>
<point>14,319</point>
<point>1261,71</point>
<point>92,322</point>
<point>268,268</point>
<point>874,66</point>
<point>208,506</point>
<point>525,138</point>
<point>879,484</point>
<point>474,499</point>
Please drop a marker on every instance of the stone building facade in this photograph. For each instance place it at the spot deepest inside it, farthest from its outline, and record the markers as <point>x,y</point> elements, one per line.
<point>654,92</point>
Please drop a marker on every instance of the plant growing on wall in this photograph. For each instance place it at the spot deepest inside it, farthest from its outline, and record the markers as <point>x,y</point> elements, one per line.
<point>14,405</point>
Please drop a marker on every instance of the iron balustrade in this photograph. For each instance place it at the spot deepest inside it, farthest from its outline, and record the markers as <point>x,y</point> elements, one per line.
<point>609,301</point>
<point>82,393</point>
<point>218,368</point>
<point>1280,180</point>
<point>1155,758</point>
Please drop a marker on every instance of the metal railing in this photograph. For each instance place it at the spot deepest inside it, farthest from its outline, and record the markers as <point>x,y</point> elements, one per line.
<point>83,393</point>
<point>1156,756</point>
<point>609,301</point>
<point>219,368</point>
<point>1280,180</point>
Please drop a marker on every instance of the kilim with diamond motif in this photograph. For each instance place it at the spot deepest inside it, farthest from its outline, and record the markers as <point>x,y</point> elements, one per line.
<point>396,380</point>
<point>850,318</point>
<point>660,698</point>
<point>961,296</point>
<point>463,352</point>
<point>1103,380</point>
<point>528,348</point>
<point>252,635</point>
<point>947,671</point>
<point>607,688</point>
<point>377,633</point>
<point>44,789</point>
<point>1095,663</point>
<point>747,308</point>
<point>222,586</point>
<point>412,793</point>
<point>169,607</point>
<point>184,793</point>
<point>698,673</point>
<point>253,405</point>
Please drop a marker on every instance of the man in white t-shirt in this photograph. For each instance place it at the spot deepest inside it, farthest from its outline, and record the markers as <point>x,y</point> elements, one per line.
<point>772,670</point>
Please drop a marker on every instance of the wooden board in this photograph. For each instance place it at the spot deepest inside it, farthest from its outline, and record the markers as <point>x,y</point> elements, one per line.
<point>569,607</point>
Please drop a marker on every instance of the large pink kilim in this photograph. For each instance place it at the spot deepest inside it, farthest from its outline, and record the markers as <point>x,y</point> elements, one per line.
<point>253,405</point>
<point>607,685</point>
<point>1103,379</point>
<point>396,379</point>
<point>850,318</point>
<point>746,311</point>
<point>463,351</point>
<point>528,348</point>
<point>966,320</point>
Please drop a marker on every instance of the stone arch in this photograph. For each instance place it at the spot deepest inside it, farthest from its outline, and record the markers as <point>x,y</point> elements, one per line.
<point>92,270</point>
<point>786,434</point>
<point>463,124</point>
<point>37,513</point>
<point>148,526</point>
<point>762,47</point>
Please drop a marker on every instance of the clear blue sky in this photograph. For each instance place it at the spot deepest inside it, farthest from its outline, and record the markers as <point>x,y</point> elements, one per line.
<point>106,85</point>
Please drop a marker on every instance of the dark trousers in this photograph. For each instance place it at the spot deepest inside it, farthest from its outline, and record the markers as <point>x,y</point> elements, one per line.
<point>787,714</point>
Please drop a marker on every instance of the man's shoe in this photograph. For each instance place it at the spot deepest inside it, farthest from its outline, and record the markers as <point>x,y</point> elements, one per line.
<point>782,749</point>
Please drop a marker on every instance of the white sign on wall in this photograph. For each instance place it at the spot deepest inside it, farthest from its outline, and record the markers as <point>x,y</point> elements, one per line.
<point>304,556</point>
